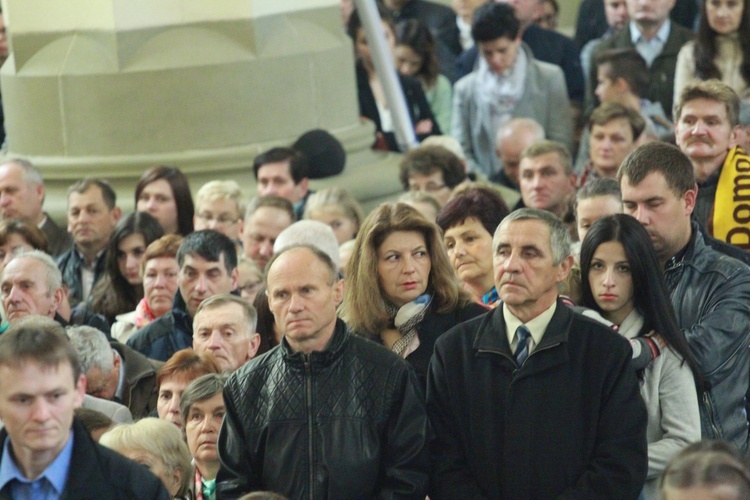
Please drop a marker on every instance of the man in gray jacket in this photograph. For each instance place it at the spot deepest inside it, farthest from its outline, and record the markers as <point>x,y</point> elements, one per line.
<point>710,291</point>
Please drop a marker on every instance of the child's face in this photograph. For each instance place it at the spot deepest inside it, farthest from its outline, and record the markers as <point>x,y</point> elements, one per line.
<point>606,90</point>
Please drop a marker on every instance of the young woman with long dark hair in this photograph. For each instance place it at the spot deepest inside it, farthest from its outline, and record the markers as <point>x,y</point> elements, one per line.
<point>121,287</point>
<point>622,279</point>
<point>721,49</point>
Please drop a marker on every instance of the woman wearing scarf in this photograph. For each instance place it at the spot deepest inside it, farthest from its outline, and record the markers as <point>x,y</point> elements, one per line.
<point>400,288</point>
<point>159,271</point>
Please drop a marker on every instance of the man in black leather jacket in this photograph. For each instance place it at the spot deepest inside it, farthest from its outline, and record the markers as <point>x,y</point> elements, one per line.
<point>326,414</point>
<point>710,291</point>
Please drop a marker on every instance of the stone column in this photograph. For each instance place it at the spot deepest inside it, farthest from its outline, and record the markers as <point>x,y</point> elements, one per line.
<point>111,87</point>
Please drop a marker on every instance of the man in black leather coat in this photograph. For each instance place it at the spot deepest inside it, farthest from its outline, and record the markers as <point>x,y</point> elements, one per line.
<point>326,414</point>
<point>710,291</point>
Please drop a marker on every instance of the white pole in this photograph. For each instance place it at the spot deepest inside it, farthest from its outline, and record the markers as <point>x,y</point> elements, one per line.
<point>386,71</point>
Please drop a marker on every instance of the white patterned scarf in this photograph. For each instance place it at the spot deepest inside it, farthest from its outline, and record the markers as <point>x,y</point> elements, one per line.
<point>406,320</point>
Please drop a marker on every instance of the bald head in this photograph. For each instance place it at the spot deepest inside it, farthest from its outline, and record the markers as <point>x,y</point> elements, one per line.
<point>512,138</point>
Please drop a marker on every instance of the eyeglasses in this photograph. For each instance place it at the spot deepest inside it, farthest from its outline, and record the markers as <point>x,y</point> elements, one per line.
<point>429,187</point>
<point>221,220</point>
<point>251,287</point>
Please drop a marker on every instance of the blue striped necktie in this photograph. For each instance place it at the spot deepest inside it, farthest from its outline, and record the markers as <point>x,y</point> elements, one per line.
<point>522,349</point>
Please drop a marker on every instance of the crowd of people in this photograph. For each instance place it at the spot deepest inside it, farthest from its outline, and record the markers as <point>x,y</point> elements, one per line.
<point>548,310</point>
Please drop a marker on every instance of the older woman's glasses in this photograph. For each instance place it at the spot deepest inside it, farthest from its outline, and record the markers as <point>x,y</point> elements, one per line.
<point>430,187</point>
<point>250,288</point>
<point>219,220</point>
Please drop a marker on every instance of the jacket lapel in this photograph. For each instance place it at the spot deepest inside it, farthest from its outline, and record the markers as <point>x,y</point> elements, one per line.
<point>492,338</point>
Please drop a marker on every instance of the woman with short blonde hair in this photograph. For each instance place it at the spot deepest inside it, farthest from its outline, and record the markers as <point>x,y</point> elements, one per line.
<point>158,445</point>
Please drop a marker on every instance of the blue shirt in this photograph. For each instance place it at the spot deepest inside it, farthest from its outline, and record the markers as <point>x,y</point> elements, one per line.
<point>650,49</point>
<point>49,485</point>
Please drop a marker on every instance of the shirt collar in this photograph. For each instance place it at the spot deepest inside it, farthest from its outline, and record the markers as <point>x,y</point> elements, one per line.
<point>96,258</point>
<point>56,473</point>
<point>661,35</point>
<point>536,326</point>
<point>298,206</point>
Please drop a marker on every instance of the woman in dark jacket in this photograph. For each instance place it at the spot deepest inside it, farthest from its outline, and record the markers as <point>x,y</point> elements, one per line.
<point>372,100</point>
<point>400,287</point>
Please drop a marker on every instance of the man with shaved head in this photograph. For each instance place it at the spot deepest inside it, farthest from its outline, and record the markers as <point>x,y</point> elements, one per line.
<point>362,432</point>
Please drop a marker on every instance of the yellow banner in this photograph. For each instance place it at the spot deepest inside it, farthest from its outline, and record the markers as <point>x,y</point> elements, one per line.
<point>731,218</point>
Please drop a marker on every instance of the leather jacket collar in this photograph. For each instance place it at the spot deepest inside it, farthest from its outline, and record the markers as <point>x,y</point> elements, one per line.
<point>320,359</point>
<point>695,246</point>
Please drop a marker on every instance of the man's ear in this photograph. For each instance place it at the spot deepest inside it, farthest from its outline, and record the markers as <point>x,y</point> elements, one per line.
<point>240,228</point>
<point>254,341</point>
<point>116,361</point>
<point>234,277</point>
<point>690,196</point>
<point>734,138</point>
<point>80,391</point>
<point>57,296</point>
<point>621,85</point>
<point>40,193</point>
<point>304,185</point>
<point>116,214</point>
<point>564,269</point>
<point>338,292</point>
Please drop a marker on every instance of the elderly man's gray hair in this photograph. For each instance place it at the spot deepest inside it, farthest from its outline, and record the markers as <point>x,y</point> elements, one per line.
<point>30,173</point>
<point>558,231</point>
<point>92,347</point>
<point>54,277</point>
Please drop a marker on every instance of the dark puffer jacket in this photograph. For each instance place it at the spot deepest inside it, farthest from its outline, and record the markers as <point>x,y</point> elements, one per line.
<point>711,298</point>
<point>166,335</point>
<point>348,422</point>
